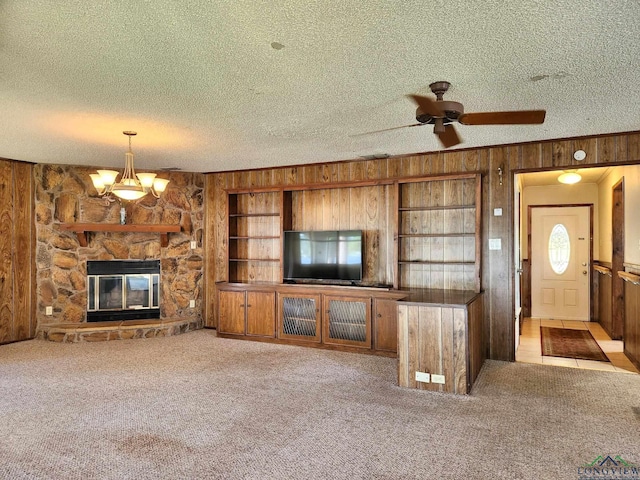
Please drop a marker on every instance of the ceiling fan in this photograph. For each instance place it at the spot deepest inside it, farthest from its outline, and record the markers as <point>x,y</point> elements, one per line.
<point>442,113</point>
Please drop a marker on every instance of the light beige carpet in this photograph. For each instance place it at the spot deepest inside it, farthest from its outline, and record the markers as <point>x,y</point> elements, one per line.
<point>196,406</point>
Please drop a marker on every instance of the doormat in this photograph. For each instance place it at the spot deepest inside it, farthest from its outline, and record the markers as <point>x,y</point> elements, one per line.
<point>570,343</point>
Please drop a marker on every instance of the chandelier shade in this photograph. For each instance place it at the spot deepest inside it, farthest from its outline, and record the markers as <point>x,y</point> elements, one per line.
<point>131,186</point>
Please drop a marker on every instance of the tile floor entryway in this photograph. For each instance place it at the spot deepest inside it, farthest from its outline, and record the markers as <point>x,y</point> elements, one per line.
<point>530,350</point>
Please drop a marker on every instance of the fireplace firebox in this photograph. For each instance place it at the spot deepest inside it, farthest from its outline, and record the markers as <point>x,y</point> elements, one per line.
<point>123,290</point>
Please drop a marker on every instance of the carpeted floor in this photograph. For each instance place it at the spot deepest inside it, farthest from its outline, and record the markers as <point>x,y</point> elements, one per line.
<point>196,406</point>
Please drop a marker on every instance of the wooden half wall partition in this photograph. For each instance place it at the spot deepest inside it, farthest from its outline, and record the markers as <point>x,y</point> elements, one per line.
<point>631,338</point>
<point>498,272</point>
<point>602,297</point>
<point>442,342</point>
<point>17,252</point>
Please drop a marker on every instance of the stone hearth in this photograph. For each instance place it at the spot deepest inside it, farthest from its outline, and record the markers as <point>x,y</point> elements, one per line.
<point>104,331</point>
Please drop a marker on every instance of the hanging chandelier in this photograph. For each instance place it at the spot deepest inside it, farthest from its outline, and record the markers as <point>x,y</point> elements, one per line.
<point>132,185</point>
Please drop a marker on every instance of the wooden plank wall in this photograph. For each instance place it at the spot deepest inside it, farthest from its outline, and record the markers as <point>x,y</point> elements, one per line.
<point>604,300</point>
<point>632,322</point>
<point>475,336</point>
<point>360,208</point>
<point>498,271</point>
<point>17,252</point>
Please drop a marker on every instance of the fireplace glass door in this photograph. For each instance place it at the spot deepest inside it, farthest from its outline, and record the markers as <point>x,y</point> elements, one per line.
<point>123,292</point>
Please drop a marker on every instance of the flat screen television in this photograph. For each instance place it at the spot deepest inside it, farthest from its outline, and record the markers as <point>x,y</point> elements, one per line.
<point>323,255</point>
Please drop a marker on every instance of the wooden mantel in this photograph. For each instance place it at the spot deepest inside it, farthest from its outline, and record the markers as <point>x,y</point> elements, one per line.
<point>81,230</point>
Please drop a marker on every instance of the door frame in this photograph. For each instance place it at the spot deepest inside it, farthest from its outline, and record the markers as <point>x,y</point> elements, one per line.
<point>590,262</point>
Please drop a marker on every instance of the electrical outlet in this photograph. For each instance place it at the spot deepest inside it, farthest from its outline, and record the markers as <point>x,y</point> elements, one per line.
<point>194,244</point>
<point>437,378</point>
<point>192,303</point>
<point>48,310</point>
<point>422,377</point>
<point>495,244</point>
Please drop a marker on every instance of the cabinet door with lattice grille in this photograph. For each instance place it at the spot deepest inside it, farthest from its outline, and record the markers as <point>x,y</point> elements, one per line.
<point>347,321</point>
<point>299,317</point>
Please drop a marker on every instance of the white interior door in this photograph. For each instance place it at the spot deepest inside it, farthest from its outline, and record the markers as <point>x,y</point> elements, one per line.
<point>560,258</point>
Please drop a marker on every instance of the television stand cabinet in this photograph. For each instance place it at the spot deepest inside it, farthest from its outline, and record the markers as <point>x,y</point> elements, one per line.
<point>357,319</point>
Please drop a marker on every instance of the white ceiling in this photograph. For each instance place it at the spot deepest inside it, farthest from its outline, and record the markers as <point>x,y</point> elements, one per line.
<point>234,84</point>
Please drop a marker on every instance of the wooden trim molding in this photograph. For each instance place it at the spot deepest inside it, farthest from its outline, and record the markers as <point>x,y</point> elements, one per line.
<point>602,270</point>
<point>630,277</point>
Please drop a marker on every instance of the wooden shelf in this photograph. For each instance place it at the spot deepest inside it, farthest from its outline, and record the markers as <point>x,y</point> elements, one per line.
<point>443,207</point>
<point>436,235</point>
<point>246,215</point>
<point>81,230</point>
<point>254,259</point>
<point>429,262</point>
<point>257,237</point>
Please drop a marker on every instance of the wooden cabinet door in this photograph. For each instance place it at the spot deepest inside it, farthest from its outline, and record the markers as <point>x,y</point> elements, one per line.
<point>231,310</point>
<point>347,321</point>
<point>261,314</point>
<point>299,317</point>
<point>385,325</point>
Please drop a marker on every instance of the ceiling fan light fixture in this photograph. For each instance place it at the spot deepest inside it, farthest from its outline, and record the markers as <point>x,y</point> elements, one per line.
<point>131,186</point>
<point>569,177</point>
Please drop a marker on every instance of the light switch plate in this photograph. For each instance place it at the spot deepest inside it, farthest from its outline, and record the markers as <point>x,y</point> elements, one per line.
<point>192,303</point>
<point>495,244</point>
<point>194,244</point>
<point>422,377</point>
<point>437,379</point>
<point>48,310</point>
<point>497,212</point>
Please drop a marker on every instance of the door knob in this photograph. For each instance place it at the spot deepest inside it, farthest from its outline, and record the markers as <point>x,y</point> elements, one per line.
<point>584,264</point>
<point>584,272</point>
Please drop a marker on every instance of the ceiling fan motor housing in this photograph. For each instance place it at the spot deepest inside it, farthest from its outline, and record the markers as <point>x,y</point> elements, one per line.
<point>452,110</point>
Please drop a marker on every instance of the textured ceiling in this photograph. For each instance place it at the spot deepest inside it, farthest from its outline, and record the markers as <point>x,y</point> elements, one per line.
<point>225,85</point>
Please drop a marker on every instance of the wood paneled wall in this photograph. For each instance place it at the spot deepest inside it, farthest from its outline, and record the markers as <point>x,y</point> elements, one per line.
<point>602,281</point>
<point>17,252</point>
<point>362,208</point>
<point>498,271</point>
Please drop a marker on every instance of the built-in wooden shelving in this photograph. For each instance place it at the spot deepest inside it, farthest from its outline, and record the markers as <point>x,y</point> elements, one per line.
<point>81,230</point>
<point>439,240</point>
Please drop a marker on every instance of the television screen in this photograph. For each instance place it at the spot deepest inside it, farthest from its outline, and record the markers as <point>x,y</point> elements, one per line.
<point>323,255</point>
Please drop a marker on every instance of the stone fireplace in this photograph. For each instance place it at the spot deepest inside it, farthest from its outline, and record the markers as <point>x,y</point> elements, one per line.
<point>70,275</point>
<point>123,290</point>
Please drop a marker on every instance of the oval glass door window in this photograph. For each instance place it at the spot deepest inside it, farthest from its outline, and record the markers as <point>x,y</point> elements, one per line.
<point>559,249</point>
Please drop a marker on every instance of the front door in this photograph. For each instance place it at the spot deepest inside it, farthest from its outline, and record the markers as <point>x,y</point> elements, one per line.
<point>560,262</point>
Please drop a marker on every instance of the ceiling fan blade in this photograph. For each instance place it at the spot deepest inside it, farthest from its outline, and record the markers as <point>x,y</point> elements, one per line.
<point>428,106</point>
<point>522,117</point>
<point>449,137</point>
<point>387,129</point>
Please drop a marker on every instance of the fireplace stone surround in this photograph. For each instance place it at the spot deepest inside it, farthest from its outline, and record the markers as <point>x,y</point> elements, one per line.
<point>64,194</point>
